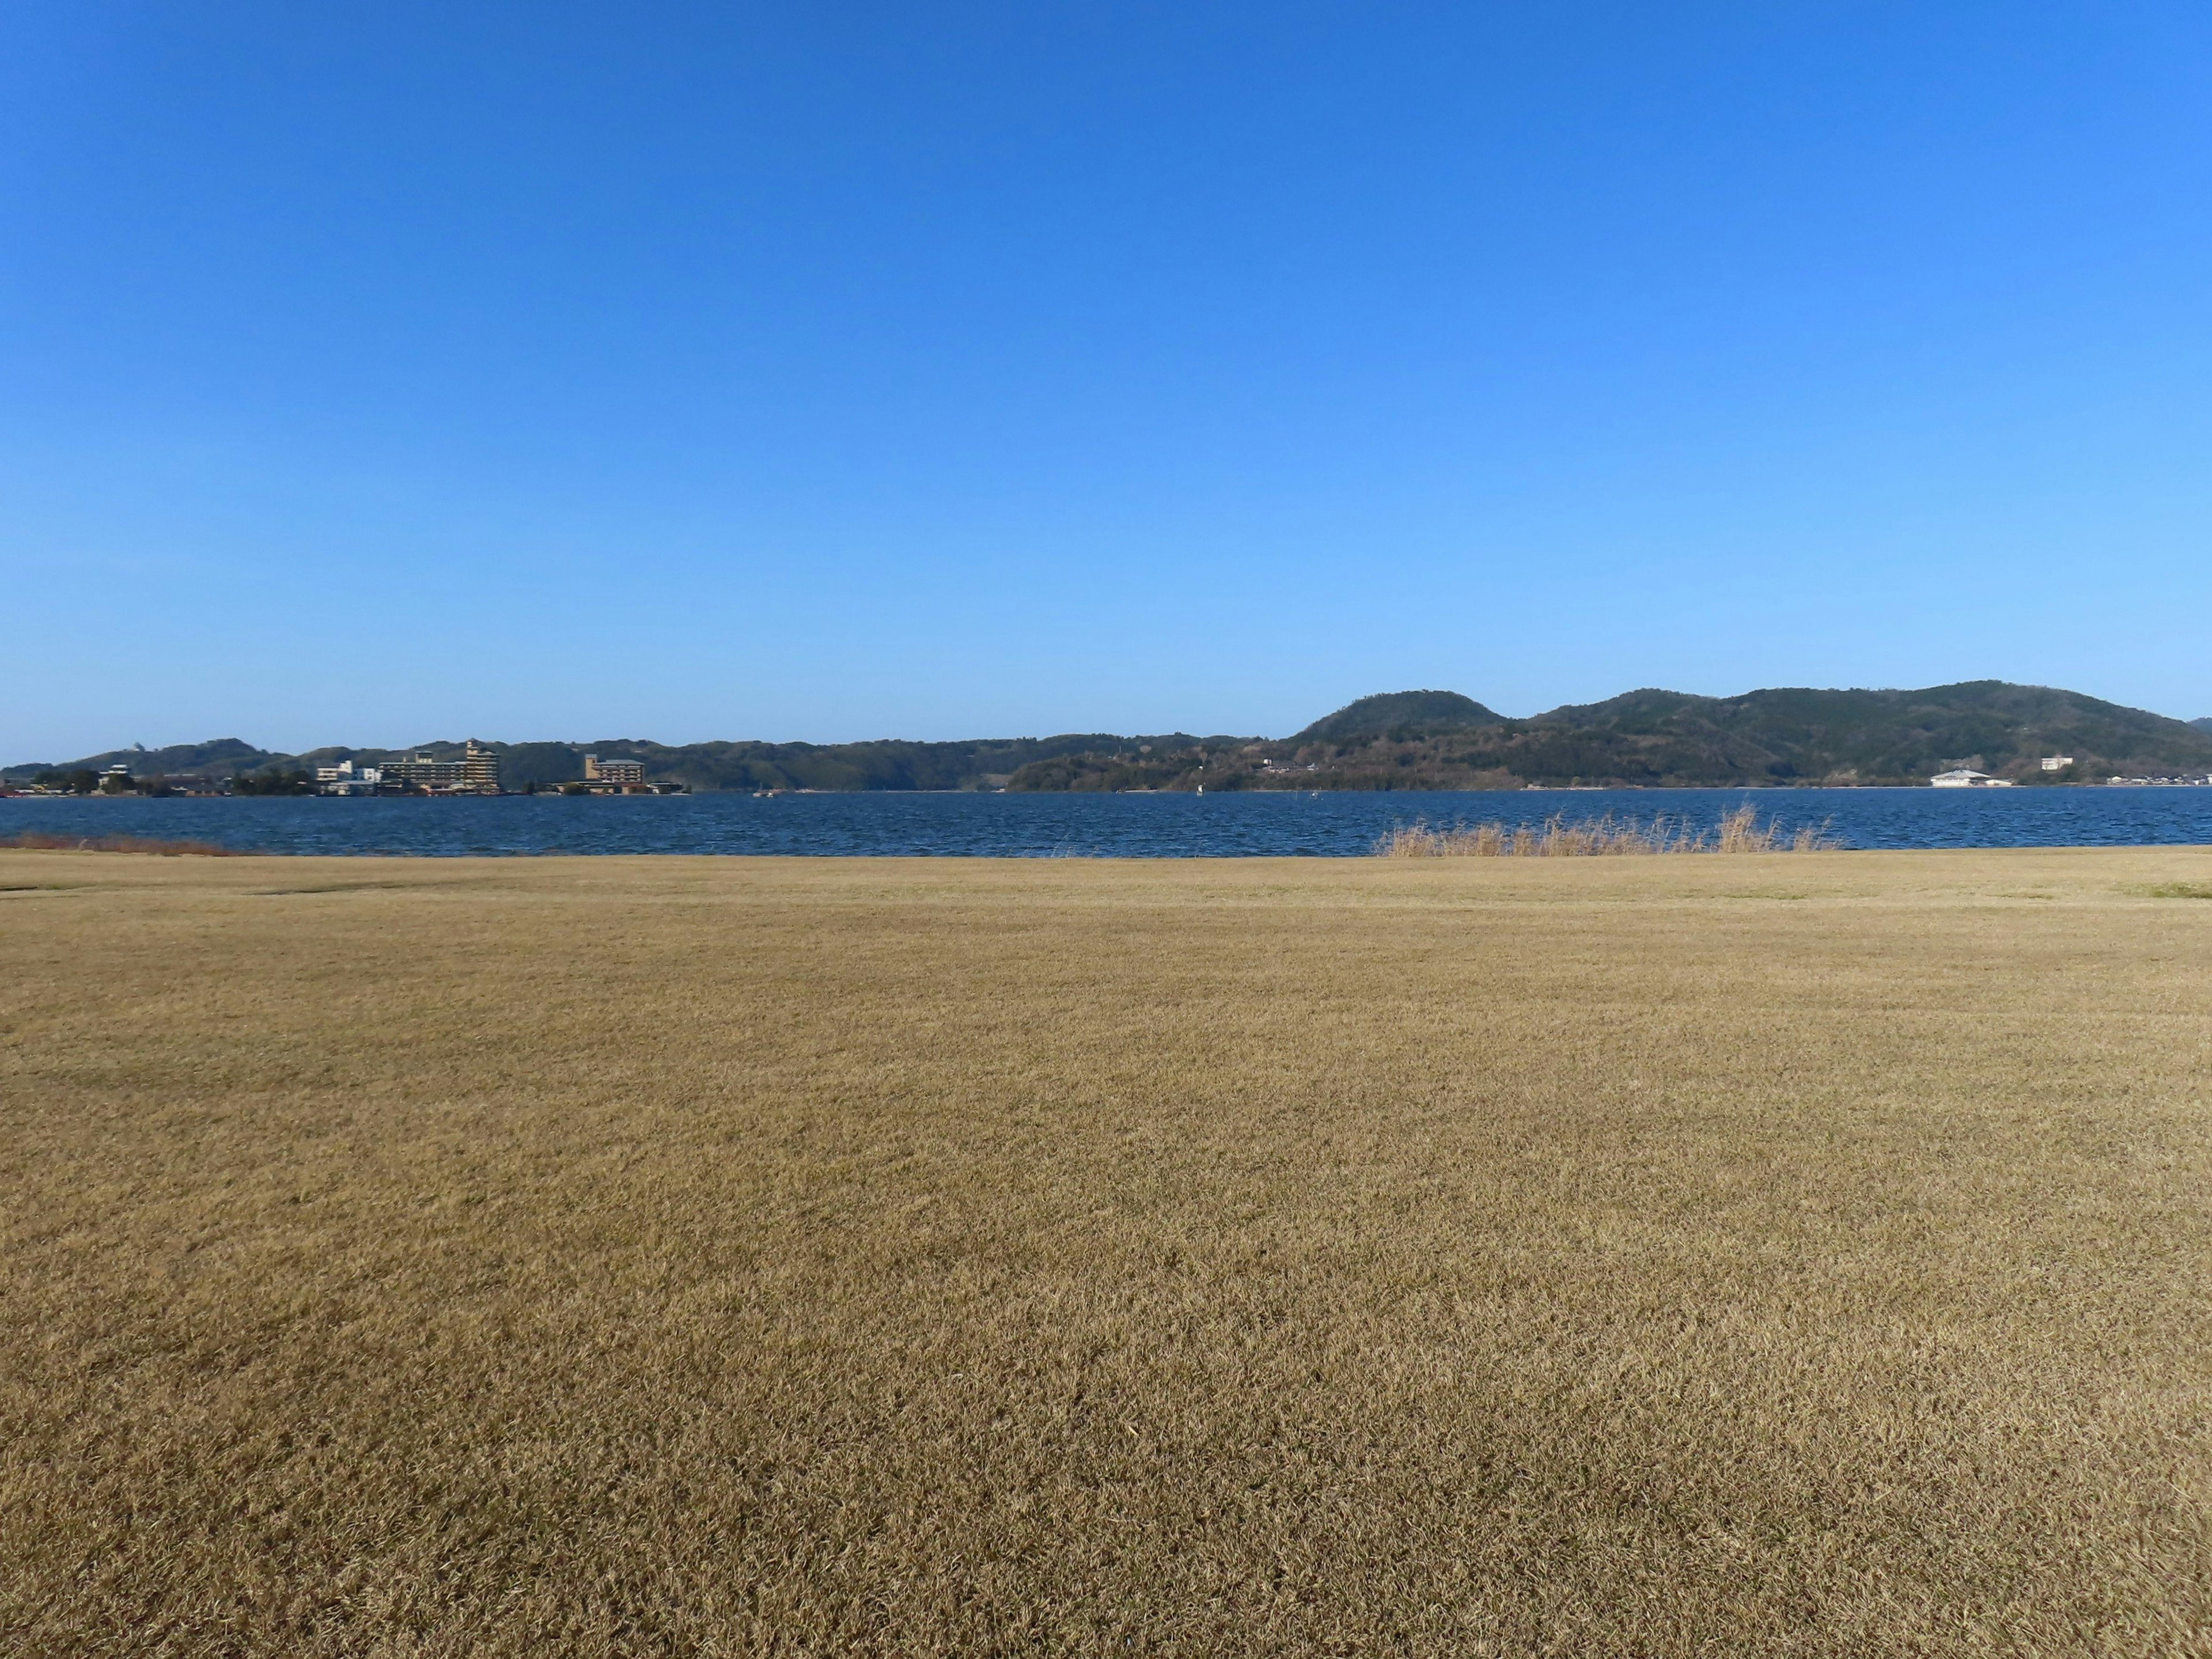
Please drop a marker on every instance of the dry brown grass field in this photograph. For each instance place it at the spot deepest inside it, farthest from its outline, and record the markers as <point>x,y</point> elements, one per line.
<point>1804,1255</point>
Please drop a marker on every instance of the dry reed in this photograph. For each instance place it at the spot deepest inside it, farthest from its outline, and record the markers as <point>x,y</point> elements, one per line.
<point>1738,831</point>
<point>33,841</point>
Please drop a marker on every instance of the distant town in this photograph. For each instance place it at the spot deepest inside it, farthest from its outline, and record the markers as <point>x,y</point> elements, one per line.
<point>475,772</point>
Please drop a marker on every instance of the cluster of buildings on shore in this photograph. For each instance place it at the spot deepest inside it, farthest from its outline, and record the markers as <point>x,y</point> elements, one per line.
<point>477,773</point>
<point>1965,778</point>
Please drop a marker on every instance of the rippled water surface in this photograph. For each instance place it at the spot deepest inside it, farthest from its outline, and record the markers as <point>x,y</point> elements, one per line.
<point>1126,826</point>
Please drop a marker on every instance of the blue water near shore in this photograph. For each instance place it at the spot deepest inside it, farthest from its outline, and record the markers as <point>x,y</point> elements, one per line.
<point>1095,826</point>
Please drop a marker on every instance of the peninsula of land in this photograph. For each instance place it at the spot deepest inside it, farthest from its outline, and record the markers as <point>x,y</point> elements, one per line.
<point>1991,730</point>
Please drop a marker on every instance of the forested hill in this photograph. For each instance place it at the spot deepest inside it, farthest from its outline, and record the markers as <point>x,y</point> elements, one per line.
<point>1397,740</point>
<point>1388,711</point>
<point>886,763</point>
<point>1419,740</point>
<point>1869,736</point>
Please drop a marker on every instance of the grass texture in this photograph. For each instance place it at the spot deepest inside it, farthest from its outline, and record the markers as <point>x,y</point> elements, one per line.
<point>1766,1256</point>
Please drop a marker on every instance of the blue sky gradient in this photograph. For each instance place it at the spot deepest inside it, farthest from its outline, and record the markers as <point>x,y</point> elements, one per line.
<point>839,371</point>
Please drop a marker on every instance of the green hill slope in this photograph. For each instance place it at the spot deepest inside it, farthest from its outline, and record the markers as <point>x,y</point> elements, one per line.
<point>1398,711</point>
<point>1797,734</point>
<point>1657,739</point>
<point>219,757</point>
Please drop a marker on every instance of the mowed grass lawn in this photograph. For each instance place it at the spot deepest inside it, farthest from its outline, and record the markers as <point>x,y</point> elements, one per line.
<point>1803,1254</point>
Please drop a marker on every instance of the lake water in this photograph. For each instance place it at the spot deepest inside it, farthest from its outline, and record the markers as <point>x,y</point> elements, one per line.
<point>1338,825</point>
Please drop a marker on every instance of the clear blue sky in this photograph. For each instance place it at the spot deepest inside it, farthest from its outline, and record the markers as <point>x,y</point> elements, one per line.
<point>381,372</point>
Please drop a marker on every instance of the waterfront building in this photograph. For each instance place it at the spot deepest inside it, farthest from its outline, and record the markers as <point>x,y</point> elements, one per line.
<point>411,773</point>
<point>622,774</point>
<point>479,768</point>
<point>476,773</point>
<point>1965,778</point>
<point>347,778</point>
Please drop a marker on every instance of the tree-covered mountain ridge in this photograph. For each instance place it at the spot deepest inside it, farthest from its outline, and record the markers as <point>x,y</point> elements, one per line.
<point>1657,739</point>
<point>1400,740</point>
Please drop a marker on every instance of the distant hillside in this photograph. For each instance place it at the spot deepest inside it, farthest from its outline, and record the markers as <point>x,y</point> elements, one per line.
<point>889,763</point>
<point>1793,735</point>
<point>1396,740</point>
<point>219,757</point>
<point>1671,738</point>
<point>886,763</point>
<point>1394,711</point>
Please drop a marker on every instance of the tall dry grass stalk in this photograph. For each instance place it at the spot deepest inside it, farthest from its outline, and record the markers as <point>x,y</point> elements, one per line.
<point>1738,831</point>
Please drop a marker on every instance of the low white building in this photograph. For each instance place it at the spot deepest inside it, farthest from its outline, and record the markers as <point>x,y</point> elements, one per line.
<point>1964,779</point>
<point>346,779</point>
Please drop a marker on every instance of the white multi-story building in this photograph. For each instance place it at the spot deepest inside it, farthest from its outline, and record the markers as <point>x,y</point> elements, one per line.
<point>347,778</point>
<point>420,772</point>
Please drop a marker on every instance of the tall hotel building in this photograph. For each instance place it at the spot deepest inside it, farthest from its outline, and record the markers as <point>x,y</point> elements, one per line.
<point>479,768</point>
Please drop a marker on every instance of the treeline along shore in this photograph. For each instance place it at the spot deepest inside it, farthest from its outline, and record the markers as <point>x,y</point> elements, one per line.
<point>2022,734</point>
